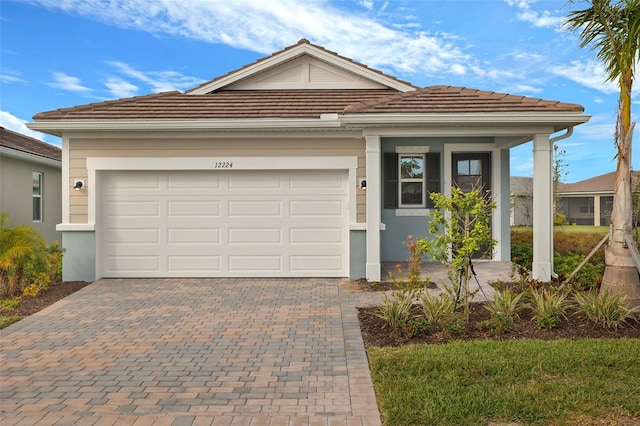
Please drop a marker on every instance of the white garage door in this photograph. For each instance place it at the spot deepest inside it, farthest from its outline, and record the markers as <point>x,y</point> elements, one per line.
<point>224,224</point>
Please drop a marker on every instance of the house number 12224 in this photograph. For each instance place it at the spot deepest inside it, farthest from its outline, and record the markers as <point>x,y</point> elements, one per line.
<point>223,165</point>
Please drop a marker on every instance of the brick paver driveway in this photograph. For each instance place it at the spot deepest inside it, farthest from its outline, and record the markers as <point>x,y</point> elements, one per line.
<point>191,351</point>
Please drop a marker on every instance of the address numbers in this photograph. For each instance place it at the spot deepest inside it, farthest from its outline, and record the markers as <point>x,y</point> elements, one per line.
<point>223,165</point>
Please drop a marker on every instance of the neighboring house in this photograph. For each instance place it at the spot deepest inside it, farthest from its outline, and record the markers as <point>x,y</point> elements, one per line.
<point>30,183</point>
<point>521,201</point>
<point>589,201</point>
<point>301,164</point>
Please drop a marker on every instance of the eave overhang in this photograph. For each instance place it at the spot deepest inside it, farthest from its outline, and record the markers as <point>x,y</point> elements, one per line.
<point>27,156</point>
<point>558,120</point>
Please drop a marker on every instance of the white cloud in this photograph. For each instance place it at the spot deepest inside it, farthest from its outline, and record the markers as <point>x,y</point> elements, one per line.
<point>524,88</point>
<point>121,88</point>
<point>11,122</point>
<point>267,26</point>
<point>539,19</point>
<point>589,73</point>
<point>158,81</point>
<point>11,79</point>
<point>68,82</point>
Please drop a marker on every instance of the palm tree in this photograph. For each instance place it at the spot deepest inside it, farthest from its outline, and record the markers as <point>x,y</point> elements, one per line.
<point>612,28</point>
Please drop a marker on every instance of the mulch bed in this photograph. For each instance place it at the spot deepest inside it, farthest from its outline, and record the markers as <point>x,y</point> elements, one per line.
<point>377,333</point>
<point>56,291</point>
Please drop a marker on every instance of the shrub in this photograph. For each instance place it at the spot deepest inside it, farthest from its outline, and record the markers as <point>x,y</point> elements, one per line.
<point>31,290</point>
<point>548,307</point>
<point>586,278</point>
<point>522,255</point>
<point>605,309</point>
<point>504,307</point>
<point>560,219</point>
<point>9,304</point>
<point>396,308</point>
<point>437,309</point>
<point>417,327</point>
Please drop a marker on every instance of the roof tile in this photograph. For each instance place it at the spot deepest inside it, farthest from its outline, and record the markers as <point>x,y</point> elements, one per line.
<point>23,143</point>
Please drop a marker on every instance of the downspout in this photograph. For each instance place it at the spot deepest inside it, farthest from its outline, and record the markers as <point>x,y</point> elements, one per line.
<point>565,135</point>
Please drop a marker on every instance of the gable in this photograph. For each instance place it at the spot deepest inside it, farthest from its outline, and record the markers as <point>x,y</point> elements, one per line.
<point>306,65</point>
<point>305,73</point>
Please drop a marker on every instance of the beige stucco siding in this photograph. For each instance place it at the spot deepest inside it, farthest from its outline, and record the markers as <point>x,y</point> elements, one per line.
<point>81,149</point>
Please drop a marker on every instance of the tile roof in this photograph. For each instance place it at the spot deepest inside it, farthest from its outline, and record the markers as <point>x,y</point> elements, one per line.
<point>222,104</point>
<point>602,183</point>
<point>300,42</point>
<point>307,104</point>
<point>448,99</point>
<point>23,143</point>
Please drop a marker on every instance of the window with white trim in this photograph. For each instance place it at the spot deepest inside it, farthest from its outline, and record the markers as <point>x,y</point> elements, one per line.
<point>411,180</point>
<point>36,195</point>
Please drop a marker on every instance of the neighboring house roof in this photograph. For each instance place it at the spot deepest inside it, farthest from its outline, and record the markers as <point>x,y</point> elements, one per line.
<point>26,144</point>
<point>602,183</point>
<point>521,186</point>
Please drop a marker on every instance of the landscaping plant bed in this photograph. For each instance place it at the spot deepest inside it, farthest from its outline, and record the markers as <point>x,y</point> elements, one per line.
<point>377,333</point>
<point>54,292</point>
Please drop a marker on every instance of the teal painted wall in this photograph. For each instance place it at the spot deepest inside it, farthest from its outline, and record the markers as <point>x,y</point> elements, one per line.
<point>398,228</point>
<point>357,254</point>
<point>79,259</point>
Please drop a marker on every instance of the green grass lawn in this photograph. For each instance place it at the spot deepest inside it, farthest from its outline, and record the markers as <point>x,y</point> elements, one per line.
<point>528,381</point>
<point>569,229</point>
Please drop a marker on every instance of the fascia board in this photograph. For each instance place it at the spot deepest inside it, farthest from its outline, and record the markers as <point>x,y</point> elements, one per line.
<point>55,127</point>
<point>291,54</point>
<point>466,118</point>
<point>33,158</point>
<point>578,194</point>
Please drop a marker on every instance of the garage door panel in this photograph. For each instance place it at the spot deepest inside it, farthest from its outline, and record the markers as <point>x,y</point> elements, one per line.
<point>193,236</point>
<point>133,236</point>
<point>317,263</point>
<point>316,236</point>
<point>255,263</point>
<point>255,208</point>
<point>249,181</point>
<point>255,236</point>
<point>316,208</point>
<point>193,181</point>
<point>193,209</point>
<point>135,209</point>
<point>133,263</point>
<point>194,263</point>
<point>318,181</point>
<point>229,223</point>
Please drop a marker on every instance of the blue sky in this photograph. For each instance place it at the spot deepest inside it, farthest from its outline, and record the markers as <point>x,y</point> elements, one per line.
<point>62,53</point>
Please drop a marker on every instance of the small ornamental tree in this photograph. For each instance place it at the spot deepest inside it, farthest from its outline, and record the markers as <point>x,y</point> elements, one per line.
<point>460,226</point>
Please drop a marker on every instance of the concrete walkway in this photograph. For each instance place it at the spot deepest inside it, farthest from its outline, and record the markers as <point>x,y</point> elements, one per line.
<point>191,352</point>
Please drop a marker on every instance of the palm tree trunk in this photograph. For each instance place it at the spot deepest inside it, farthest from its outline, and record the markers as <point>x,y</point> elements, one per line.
<point>621,274</point>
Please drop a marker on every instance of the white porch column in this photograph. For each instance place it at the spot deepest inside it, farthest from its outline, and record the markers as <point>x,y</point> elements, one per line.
<point>373,207</point>
<point>596,210</point>
<point>542,267</point>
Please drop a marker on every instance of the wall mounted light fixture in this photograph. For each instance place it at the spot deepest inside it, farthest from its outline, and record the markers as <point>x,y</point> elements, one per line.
<point>78,185</point>
<point>363,183</point>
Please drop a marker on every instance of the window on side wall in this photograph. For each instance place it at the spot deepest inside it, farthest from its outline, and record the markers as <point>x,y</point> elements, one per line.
<point>36,196</point>
<point>409,178</point>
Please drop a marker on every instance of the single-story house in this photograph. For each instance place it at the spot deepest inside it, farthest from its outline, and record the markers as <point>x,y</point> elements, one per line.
<point>521,200</point>
<point>590,201</point>
<point>304,163</point>
<point>30,183</point>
